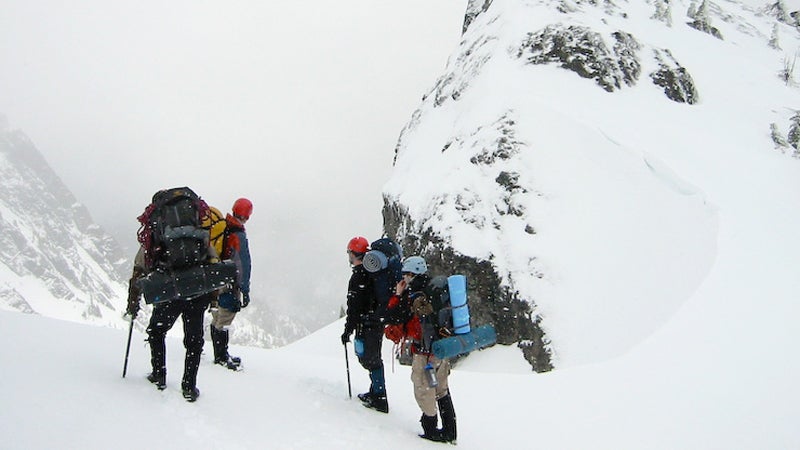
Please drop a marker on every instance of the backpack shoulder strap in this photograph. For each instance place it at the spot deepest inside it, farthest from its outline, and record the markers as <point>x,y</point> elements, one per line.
<point>228,238</point>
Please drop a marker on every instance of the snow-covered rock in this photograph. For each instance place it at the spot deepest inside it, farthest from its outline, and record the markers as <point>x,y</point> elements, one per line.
<point>551,190</point>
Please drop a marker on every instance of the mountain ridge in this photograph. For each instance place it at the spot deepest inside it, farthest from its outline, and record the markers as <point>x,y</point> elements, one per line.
<point>48,235</point>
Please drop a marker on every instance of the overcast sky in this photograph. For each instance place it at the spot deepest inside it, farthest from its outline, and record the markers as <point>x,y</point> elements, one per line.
<point>294,104</point>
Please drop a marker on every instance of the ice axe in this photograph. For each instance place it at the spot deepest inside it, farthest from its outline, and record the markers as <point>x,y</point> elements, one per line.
<point>347,364</point>
<point>128,350</point>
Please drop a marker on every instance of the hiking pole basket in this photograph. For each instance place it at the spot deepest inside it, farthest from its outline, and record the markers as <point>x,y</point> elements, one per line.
<point>127,349</point>
<point>347,364</point>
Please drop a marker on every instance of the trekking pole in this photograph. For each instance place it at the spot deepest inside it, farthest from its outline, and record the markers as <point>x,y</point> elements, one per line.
<point>347,364</point>
<point>127,349</point>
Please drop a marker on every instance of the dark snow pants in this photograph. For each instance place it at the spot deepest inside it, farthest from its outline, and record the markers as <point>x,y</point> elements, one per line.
<point>164,316</point>
<point>370,358</point>
<point>372,337</point>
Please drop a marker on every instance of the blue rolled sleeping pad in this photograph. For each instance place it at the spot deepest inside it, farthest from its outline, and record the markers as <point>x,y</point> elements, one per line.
<point>457,285</point>
<point>461,344</point>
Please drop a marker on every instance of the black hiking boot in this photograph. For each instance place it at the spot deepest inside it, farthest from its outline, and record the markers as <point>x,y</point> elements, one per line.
<point>376,402</point>
<point>221,356</point>
<point>429,430</point>
<point>448,413</point>
<point>191,393</point>
<point>365,396</point>
<point>159,380</point>
<point>230,363</point>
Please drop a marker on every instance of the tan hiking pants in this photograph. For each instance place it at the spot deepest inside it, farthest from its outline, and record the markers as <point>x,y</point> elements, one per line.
<point>425,395</point>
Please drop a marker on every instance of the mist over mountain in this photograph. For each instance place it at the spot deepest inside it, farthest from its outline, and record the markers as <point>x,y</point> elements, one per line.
<point>54,259</point>
<point>57,262</point>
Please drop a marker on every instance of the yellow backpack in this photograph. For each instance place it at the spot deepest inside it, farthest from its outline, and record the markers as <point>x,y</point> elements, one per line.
<point>215,223</point>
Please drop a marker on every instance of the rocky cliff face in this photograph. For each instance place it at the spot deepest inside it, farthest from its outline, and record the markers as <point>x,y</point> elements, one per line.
<point>54,260</point>
<point>489,301</point>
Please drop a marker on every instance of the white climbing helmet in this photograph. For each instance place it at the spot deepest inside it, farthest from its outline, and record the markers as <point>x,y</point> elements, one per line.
<point>415,265</point>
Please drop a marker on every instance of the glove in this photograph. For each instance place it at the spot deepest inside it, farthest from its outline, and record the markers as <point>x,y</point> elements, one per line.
<point>245,299</point>
<point>401,286</point>
<point>134,293</point>
<point>133,306</point>
<point>422,306</point>
<point>346,337</point>
<point>133,309</point>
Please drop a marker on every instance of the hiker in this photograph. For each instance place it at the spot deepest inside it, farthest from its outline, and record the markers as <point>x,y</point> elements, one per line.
<point>428,373</point>
<point>368,327</point>
<point>154,255</point>
<point>234,247</point>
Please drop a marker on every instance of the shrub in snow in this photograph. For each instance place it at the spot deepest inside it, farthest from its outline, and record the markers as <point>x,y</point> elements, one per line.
<point>663,12</point>
<point>702,21</point>
<point>778,11</point>
<point>773,40</point>
<point>794,134</point>
<point>777,138</point>
<point>787,73</point>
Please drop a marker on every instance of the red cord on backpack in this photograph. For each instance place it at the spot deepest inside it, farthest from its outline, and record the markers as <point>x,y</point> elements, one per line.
<point>144,235</point>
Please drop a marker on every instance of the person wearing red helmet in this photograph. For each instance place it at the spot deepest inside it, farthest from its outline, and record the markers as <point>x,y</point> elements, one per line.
<point>361,307</point>
<point>236,248</point>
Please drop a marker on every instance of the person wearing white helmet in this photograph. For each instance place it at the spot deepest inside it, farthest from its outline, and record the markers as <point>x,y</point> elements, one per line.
<point>429,391</point>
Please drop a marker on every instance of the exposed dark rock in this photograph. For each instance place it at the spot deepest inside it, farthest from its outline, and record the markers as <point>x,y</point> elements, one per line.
<point>585,52</point>
<point>677,82</point>
<point>608,6</point>
<point>474,9</point>
<point>467,66</point>
<point>503,148</point>
<point>489,302</point>
<point>509,181</point>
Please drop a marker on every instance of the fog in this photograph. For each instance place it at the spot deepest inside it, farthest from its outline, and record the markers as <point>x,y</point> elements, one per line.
<point>296,105</point>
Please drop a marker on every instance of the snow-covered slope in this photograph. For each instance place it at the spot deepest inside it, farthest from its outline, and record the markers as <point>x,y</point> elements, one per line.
<point>64,390</point>
<point>54,260</point>
<point>594,154</point>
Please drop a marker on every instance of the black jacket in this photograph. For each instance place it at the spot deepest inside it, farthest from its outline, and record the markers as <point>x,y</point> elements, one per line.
<point>361,301</point>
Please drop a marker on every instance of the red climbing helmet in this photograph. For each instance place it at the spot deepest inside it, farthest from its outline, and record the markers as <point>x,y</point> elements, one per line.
<point>358,245</point>
<point>242,208</point>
